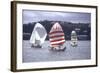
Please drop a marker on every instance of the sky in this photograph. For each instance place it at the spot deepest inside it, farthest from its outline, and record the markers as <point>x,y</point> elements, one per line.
<point>29,16</point>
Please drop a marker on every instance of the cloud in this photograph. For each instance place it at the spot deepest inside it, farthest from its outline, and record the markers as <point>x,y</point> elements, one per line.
<point>34,16</point>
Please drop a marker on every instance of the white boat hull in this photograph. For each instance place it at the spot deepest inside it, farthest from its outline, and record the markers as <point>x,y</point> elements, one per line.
<point>74,43</point>
<point>59,48</point>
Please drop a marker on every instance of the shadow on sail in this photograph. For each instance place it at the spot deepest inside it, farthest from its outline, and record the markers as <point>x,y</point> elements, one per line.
<point>38,36</point>
<point>56,38</point>
<point>74,40</point>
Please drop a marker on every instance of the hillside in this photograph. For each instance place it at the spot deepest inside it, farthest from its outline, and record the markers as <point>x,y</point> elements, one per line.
<point>83,30</point>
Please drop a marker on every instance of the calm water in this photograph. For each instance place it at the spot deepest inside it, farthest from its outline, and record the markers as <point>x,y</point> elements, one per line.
<point>81,52</point>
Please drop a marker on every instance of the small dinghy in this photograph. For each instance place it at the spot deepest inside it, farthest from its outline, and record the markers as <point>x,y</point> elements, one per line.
<point>38,36</point>
<point>56,38</point>
<point>74,39</point>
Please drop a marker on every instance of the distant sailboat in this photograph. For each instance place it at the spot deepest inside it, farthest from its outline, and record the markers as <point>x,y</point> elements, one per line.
<point>74,39</point>
<point>38,36</point>
<point>56,38</point>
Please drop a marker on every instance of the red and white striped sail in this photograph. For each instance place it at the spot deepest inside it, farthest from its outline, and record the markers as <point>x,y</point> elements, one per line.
<point>56,35</point>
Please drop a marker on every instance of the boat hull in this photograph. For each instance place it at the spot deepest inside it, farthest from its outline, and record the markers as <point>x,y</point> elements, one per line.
<point>59,48</point>
<point>74,43</point>
<point>36,46</point>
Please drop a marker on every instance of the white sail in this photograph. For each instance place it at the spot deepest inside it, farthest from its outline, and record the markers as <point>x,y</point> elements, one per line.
<point>39,34</point>
<point>56,37</point>
<point>73,38</point>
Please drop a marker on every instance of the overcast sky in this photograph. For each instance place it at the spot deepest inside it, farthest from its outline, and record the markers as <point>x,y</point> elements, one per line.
<point>75,17</point>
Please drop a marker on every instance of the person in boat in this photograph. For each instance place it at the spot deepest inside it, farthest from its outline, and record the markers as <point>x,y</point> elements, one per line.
<point>56,38</point>
<point>74,39</point>
<point>38,36</point>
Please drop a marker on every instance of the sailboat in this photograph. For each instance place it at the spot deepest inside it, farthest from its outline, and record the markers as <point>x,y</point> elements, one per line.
<point>38,36</point>
<point>56,38</point>
<point>74,39</point>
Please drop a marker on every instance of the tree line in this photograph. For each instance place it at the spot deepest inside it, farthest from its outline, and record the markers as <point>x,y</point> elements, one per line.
<point>83,30</point>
